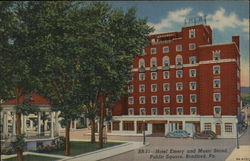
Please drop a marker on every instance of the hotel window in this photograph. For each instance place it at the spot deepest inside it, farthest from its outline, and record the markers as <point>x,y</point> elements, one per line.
<point>179,86</point>
<point>193,110</point>
<point>142,111</point>
<point>166,99</point>
<point>142,99</point>
<point>192,85</point>
<point>166,87</point>
<point>153,99</point>
<point>153,51</point>
<point>238,73</point>
<point>166,111</point>
<point>207,126</point>
<point>217,110</point>
<point>192,72</point>
<point>192,59</point>
<point>153,62</point>
<point>153,75</point>
<point>228,127</point>
<point>179,111</point>
<point>178,60</point>
<point>153,87</point>
<point>165,61</point>
<point>130,100</point>
<point>193,98</point>
<point>216,83</point>
<point>128,125</point>
<point>116,125</point>
<point>216,56</point>
<point>238,85</point>
<point>143,52</point>
<point>192,33</point>
<point>166,75</point>
<point>178,47</point>
<point>108,112</point>
<point>130,111</point>
<point>141,76</point>
<point>141,88</point>
<point>165,49</point>
<point>153,111</point>
<point>141,63</point>
<point>216,69</point>
<point>130,88</point>
<point>192,46</point>
<point>179,74</point>
<point>217,97</point>
<point>179,98</point>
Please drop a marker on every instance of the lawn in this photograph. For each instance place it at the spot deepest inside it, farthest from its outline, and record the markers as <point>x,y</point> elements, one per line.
<point>33,158</point>
<point>79,147</point>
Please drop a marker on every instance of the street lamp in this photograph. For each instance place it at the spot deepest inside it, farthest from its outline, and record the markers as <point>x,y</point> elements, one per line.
<point>144,136</point>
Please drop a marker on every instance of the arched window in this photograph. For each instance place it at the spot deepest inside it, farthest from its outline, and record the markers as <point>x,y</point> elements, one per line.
<point>141,63</point>
<point>153,62</point>
<point>178,60</point>
<point>165,61</point>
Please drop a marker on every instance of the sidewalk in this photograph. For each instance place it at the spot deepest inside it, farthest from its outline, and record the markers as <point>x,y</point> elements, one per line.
<point>243,153</point>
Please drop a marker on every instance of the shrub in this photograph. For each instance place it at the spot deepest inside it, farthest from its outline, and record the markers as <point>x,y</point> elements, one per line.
<point>7,151</point>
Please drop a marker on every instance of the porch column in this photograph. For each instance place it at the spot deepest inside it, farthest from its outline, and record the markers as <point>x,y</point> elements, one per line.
<point>5,125</point>
<point>24,124</point>
<point>135,126</point>
<point>183,125</point>
<point>14,123</point>
<point>39,123</point>
<point>56,124</point>
<point>121,122</point>
<point>52,124</point>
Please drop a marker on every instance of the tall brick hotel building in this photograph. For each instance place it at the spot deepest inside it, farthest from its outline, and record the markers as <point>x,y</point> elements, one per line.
<point>182,81</point>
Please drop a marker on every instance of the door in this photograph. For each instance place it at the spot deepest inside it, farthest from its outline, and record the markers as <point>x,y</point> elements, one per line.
<point>158,128</point>
<point>218,129</point>
<point>139,127</point>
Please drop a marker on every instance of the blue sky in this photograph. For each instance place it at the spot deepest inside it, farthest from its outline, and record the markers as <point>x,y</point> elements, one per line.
<point>227,18</point>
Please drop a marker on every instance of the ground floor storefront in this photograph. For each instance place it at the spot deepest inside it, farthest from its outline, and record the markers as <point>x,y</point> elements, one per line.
<point>224,127</point>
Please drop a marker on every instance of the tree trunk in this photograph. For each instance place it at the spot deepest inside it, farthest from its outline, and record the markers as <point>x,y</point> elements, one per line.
<point>67,141</point>
<point>93,130</point>
<point>100,145</point>
<point>18,125</point>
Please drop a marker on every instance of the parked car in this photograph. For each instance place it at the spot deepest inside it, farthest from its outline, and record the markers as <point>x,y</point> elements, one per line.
<point>178,134</point>
<point>207,134</point>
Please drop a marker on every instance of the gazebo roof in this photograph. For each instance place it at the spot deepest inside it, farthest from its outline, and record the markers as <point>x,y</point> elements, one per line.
<point>36,100</point>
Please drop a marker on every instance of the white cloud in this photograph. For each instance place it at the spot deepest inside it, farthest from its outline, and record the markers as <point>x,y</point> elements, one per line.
<point>172,17</point>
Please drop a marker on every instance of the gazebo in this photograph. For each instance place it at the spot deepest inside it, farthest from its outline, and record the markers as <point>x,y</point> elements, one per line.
<point>39,128</point>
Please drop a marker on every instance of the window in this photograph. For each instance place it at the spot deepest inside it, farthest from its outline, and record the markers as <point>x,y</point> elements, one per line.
<point>166,75</point>
<point>128,125</point>
<point>165,49</point>
<point>192,59</point>
<point>144,52</point>
<point>130,88</point>
<point>166,111</point>
<point>216,69</point>
<point>141,76</point>
<point>179,74</point>
<point>153,111</point>
<point>141,63</point>
<point>193,98</point>
<point>130,100</point>
<point>178,60</point>
<point>192,46</point>
<point>193,110</point>
<point>217,97</point>
<point>154,99</point>
<point>216,83</point>
<point>179,98</point>
<point>192,33</point>
<point>130,111</point>
<point>153,51</point>
<point>179,111</point>
<point>142,99</point>
<point>179,86</point>
<point>108,112</point>
<point>153,87</point>
<point>192,85</point>
<point>165,61</point>
<point>228,127</point>
<point>166,99</point>
<point>142,111</point>
<point>178,47</point>
<point>192,72</point>
<point>207,126</point>
<point>216,56</point>
<point>141,88</point>
<point>166,87</point>
<point>238,73</point>
<point>238,97</point>
<point>153,62</point>
<point>238,85</point>
<point>217,110</point>
<point>153,75</point>
<point>116,125</point>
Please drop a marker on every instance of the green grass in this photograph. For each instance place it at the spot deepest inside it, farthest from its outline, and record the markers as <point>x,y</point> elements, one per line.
<point>79,147</point>
<point>33,158</point>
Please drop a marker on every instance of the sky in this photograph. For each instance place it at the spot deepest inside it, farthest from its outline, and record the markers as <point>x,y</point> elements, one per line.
<point>226,18</point>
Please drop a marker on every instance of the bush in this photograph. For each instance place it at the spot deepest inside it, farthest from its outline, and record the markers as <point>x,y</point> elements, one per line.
<point>7,151</point>
<point>57,144</point>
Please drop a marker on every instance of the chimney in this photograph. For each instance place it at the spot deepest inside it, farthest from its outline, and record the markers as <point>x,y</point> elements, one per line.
<point>236,39</point>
